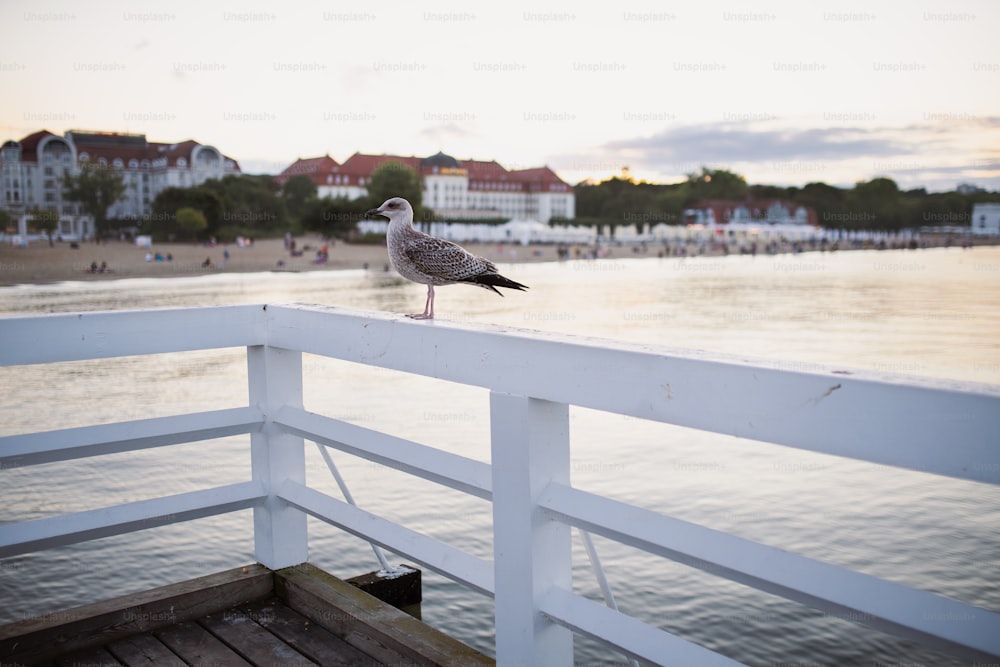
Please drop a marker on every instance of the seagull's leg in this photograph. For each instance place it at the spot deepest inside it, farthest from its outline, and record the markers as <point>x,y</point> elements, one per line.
<point>428,313</point>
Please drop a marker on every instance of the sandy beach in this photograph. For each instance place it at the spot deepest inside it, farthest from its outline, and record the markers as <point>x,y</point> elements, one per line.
<point>38,263</point>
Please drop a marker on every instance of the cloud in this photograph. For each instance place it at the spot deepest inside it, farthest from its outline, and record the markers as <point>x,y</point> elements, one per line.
<point>731,143</point>
<point>448,131</point>
<point>935,152</point>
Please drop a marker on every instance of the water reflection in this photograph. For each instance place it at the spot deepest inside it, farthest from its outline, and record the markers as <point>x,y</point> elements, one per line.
<point>927,313</point>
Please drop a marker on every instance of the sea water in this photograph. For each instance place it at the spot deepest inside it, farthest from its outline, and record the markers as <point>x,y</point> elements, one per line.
<point>928,312</point>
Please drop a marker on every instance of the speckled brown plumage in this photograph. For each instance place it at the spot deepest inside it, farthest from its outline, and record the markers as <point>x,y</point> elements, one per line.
<point>432,261</point>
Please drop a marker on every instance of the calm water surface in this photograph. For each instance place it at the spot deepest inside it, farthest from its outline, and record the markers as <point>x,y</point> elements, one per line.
<point>932,313</point>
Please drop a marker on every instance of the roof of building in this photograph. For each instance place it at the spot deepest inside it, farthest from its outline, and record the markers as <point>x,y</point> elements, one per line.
<point>116,145</point>
<point>482,174</point>
<point>541,179</point>
<point>441,161</point>
<point>319,169</point>
<point>29,145</point>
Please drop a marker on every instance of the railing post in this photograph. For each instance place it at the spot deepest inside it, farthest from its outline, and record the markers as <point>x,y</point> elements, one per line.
<point>530,449</point>
<point>275,379</point>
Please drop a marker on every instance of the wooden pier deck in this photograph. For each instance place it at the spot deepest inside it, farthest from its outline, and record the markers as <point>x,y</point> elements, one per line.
<point>245,616</point>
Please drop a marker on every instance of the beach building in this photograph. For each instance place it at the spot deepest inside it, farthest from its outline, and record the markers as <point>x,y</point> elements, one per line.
<point>466,190</point>
<point>750,211</point>
<point>986,219</point>
<point>32,172</point>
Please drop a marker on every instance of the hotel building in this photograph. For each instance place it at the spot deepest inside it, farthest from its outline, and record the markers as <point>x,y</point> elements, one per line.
<point>466,190</point>
<point>32,172</point>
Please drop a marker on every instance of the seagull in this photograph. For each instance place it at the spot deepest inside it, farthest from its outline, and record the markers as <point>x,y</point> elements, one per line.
<point>432,261</point>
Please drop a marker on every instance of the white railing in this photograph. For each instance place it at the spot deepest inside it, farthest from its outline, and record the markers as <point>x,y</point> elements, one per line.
<point>938,427</point>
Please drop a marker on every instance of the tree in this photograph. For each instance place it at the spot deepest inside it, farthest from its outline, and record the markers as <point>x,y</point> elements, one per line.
<point>191,220</point>
<point>828,202</point>
<point>96,188</point>
<point>163,217</point>
<point>250,205</point>
<point>46,220</point>
<point>298,192</point>
<point>877,204</point>
<point>717,184</point>
<point>395,179</point>
<point>333,216</point>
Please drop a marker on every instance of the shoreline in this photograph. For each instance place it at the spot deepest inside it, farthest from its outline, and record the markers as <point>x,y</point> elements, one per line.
<point>40,264</point>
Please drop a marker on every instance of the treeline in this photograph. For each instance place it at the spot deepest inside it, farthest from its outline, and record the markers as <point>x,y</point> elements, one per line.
<point>875,204</point>
<point>242,205</point>
<point>255,206</point>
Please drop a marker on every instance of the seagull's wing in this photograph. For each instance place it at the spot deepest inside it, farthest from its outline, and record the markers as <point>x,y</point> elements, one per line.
<point>444,259</point>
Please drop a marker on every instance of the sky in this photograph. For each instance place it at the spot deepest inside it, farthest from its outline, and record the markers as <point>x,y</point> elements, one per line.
<point>784,93</point>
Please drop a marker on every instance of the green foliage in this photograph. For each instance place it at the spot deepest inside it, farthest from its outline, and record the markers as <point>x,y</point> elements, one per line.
<point>395,179</point>
<point>162,223</point>
<point>874,204</point>
<point>233,206</point>
<point>250,203</point>
<point>298,193</point>
<point>95,189</point>
<point>716,184</point>
<point>333,216</point>
<point>192,221</point>
<point>618,201</point>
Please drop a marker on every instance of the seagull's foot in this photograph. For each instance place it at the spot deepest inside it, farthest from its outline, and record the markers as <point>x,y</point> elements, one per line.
<point>421,316</point>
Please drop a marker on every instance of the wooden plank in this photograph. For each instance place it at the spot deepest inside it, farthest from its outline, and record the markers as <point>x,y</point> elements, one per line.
<point>401,589</point>
<point>239,630</point>
<point>96,656</point>
<point>307,636</point>
<point>378,629</point>
<point>47,636</point>
<point>197,646</point>
<point>144,649</point>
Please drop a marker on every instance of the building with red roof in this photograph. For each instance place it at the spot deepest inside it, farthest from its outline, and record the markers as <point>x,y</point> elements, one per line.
<point>455,190</point>
<point>750,211</point>
<point>32,172</point>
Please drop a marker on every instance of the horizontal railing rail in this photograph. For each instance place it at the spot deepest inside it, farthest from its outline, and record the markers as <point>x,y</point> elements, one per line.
<point>939,427</point>
<point>85,441</point>
<point>56,531</point>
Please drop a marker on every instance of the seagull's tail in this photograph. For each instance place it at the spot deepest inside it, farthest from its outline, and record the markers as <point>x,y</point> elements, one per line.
<point>493,280</point>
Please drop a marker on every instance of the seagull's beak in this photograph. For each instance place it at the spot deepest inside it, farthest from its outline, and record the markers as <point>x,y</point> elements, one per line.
<point>372,211</point>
